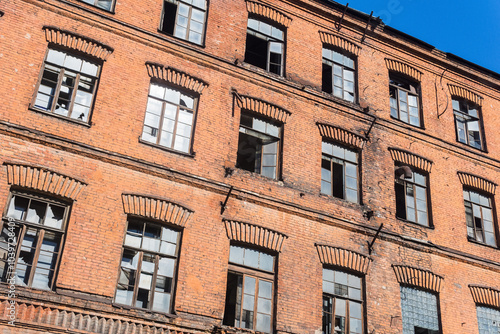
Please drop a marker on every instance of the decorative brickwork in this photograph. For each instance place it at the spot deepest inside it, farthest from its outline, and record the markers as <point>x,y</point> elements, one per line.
<point>339,42</point>
<point>341,135</point>
<point>156,208</point>
<point>262,107</point>
<point>418,277</point>
<point>43,179</point>
<point>344,258</point>
<point>74,320</point>
<point>255,235</point>
<point>397,66</point>
<point>410,159</point>
<point>175,77</point>
<point>485,295</point>
<point>477,182</point>
<point>270,13</point>
<point>465,94</point>
<point>77,42</point>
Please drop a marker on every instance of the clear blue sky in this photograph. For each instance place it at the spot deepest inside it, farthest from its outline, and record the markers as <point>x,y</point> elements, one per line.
<point>467,28</point>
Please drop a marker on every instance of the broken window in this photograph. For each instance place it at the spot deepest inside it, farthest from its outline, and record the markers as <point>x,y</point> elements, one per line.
<point>37,224</point>
<point>259,145</point>
<point>411,195</point>
<point>342,303</point>
<point>170,117</point>
<point>265,47</point>
<point>67,86</point>
<point>404,99</point>
<point>419,311</point>
<point>250,290</point>
<point>479,218</point>
<point>339,74</point>
<point>339,172</point>
<point>148,266</point>
<point>185,19</point>
<point>468,122</point>
<point>488,320</point>
<point>103,4</point>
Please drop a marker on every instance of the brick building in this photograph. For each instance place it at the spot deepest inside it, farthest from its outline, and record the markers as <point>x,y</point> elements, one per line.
<point>220,166</point>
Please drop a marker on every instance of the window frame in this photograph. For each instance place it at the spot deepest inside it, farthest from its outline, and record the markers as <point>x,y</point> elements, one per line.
<point>333,297</point>
<point>22,225</point>
<point>473,222</point>
<point>269,40</point>
<point>259,275</point>
<point>139,269</point>
<point>405,182</point>
<point>279,141</point>
<point>459,114</point>
<point>331,158</point>
<point>110,10</point>
<point>174,23</point>
<point>182,91</point>
<point>332,63</point>
<point>438,306</point>
<point>60,77</point>
<point>402,79</point>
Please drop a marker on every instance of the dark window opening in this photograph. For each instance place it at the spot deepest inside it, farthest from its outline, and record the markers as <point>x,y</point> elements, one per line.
<point>404,100</point>
<point>468,123</point>
<point>419,330</point>
<point>265,46</point>
<point>184,19</point>
<point>412,197</point>
<point>258,146</point>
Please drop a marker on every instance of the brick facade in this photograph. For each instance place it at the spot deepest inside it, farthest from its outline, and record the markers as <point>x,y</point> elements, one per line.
<point>106,173</point>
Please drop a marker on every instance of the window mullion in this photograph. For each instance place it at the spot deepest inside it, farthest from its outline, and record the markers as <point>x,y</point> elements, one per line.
<point>256,302</point>
<point>58,88</point>
<point>153,283</point>
<point>162,119</point>
<point>22,232</point>
<point>73,95</point>
<point>137,278</point>
<point>175,124</point>
<point>40,236</point>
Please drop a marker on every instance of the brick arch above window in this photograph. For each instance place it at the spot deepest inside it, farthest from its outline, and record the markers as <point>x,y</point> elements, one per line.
<point>262,107</point>
<point>341,135</point>
<point>418,277</point>
<point>477,182</point>
<point>339,42</point>
<point>343,258</point>
<point>399,67</point>
<point>410,159</point>
<point>268,12</point>
<point>175,77</point>
<point>43,179</point>
<point>485,295</point>
<point>255,235</point>
<point>156,208</point>
<point>461,92</point>
<point>77,42</point>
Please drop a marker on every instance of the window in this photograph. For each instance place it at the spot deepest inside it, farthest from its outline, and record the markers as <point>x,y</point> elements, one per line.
<point>468,123</point>
<point>103,4</point>
<point>488,320</point>
<point>479,217</point>
<point>185,19</point>
<point>68,85</point>
<point>250,285</point>
<point>404,96</point>
<point>339,73</point>
<point>259,145</point>
<point>265,46</point>
<point>339,172</point>
<point>38,225</point>
<point>420,311</point>
<point>342,303</point>
<point>170,116</point>
<point>148,266</point>
<point>411,195</point>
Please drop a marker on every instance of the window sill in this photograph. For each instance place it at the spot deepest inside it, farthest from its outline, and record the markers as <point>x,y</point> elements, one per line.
<point>171,150</point>
<point>431,227</point>
<point>411,126</point>
<point>469,239</point>
<point>465,146</point>
<point>341,200</point>
<point>230,329</point>
<point>138,309</point>
<point>202,45</point>
<point>71,120</point>
<point>261,70</point>
<point>263,177</point>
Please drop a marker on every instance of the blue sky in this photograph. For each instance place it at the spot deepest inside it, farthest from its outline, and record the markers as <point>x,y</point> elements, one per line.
<point>467,28</point>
